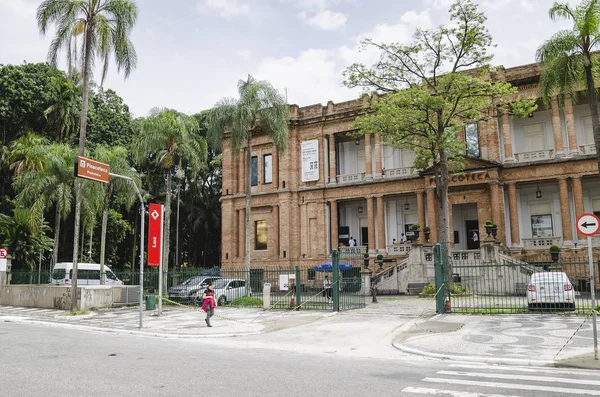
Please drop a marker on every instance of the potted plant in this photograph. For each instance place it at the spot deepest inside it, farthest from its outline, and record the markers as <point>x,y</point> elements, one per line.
<point>554,251</point>
<point>366,259</point>
<point>427,233</point>
<point>416,228</point>
<point>380,261</point>
<point>488,227</point>
<point>494,230</point>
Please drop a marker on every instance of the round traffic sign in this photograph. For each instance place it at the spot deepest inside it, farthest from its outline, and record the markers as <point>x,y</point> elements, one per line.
<point>3,253</point>
<point>588,224</point>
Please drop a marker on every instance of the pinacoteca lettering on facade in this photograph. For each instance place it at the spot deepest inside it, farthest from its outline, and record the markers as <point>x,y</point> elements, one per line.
<point>458,179</point>
<point>310,160</point>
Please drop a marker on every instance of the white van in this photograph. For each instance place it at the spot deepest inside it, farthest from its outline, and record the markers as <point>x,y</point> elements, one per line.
<point>87,274</point>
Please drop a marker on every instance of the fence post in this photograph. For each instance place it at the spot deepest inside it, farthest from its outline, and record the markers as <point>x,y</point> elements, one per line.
<point>335,268</point>
<point>298,288</point>
<point>440,276</point>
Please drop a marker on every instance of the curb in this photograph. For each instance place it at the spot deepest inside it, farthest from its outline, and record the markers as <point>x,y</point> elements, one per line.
<point>475,359</point>
<point>20,320</point>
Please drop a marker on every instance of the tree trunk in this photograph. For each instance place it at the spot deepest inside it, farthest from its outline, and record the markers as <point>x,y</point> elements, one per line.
<point>82,130</point>
<point>103,236</point>
<point>593,109</point>
<point>56,238</point>
<point>167,222</point>
<point>248,205</point>
<point>177,225</point>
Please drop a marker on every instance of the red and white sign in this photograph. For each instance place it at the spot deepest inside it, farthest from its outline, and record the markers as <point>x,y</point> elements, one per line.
<point>588,224</point>
<point>154,234</point>
<point>3,253</point>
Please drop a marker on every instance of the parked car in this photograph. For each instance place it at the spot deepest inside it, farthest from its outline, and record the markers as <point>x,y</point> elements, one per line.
<point>87,274</point>
<point>550,290</point>
<point>189,288</point>
<point>226,290</point>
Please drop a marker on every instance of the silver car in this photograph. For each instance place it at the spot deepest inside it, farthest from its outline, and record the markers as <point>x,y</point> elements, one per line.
<point>191,286</point>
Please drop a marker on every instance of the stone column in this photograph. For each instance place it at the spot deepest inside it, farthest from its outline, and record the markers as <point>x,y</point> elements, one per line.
<point>322,157</point>
<point>578,197</point>
<point>380,224</point>
<point>559,150</point>
<point>368,158</point>
<point>421,214</point>
<point>513,210</point>
<point>378,165</point>
<point>242,233</point>
<point>565,212</point>
<point>334,224</point>
<point>332,160</point>
<point>493,139</point>
<point>371,217</point>
<point>431,213</point>
<point>506,133</point>
<point>495,203</point>
<point>571,134</point>
<point>242,172</point>
<point>275,168</point>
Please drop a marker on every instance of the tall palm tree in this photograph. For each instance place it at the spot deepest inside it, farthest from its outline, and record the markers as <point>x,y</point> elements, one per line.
<point>106,26</point>
<point>27,153</point>
<point>169,138</point>
<point>52,186</point>
<point>116,158</point>
<point>568,58</point>
<point>260,107</point>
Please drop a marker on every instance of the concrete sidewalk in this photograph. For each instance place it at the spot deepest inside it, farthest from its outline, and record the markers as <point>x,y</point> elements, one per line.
<point>539,340</point>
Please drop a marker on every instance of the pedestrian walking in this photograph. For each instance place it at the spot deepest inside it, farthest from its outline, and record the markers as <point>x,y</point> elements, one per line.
<point>209,303</point>
<point>327,288</point>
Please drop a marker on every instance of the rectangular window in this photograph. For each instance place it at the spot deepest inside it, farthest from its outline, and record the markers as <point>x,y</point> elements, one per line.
<point>409,220</point>
<point>596,207</point>
<point>533,137</point>
<point>260,235</point>
<point>472,140</point>
<point>254,177</point>
<point>588,130</point>
<point>408,158</point>
<point>268,168</point>
<point>541,220</point>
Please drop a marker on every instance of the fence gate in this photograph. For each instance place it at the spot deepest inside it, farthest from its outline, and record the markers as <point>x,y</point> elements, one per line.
<point>441,263</point>
<point>351,281</point>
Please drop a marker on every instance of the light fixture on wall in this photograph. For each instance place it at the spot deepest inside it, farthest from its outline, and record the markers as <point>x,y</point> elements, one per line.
<point>530,115</point>
<point>357,142</point>
<point>360,209</point>
<point>406,205</point>
<point>538,193</point>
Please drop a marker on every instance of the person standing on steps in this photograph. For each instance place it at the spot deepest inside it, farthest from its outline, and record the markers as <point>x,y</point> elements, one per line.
<point>209,303</point>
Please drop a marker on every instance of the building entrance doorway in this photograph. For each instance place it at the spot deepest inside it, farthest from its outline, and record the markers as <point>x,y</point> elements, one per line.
<point>466,227</point>
<point>364,236</point>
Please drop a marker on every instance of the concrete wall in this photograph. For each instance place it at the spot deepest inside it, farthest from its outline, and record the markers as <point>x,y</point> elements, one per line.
<point>55,296</point>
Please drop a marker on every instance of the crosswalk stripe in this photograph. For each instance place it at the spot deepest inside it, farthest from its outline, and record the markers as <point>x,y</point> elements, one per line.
<point>534,370</point>
<point>452,393</point>
<point>514,386</point>
<point>522,377</point>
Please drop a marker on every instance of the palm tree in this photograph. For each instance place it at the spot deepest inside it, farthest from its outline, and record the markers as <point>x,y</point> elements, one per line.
<point>568,58</point>
<point>27,153</point>
<point>105,26</point>
<point>260,107</point>
<point>169,139</point>
<point>64,111</point>
<point>116,158</point>
<point>52,186</point>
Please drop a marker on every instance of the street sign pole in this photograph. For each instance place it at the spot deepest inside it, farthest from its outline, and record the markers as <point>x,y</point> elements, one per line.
<point>593,294</point>
<point>589,225</point>
<point>160,264</point>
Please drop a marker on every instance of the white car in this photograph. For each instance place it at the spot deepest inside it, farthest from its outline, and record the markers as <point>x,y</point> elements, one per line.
<point>87,274</point>
<point>550,290</point>
<point>226,290</point>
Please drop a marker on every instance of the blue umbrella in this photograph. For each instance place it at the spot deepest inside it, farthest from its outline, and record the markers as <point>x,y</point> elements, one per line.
<point>328,266</point>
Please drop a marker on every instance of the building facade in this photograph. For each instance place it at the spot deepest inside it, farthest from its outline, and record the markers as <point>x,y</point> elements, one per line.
<point>532,177</point>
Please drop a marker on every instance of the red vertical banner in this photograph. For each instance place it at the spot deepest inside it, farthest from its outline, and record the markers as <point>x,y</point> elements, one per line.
<point>154,237</point>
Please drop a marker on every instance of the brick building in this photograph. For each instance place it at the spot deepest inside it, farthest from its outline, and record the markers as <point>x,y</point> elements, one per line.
<point>531,176</point>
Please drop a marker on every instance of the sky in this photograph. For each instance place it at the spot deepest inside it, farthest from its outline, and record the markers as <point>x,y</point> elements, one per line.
<point>191,53</point>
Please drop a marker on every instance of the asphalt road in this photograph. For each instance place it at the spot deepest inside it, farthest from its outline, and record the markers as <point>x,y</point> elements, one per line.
<point>44,361</point>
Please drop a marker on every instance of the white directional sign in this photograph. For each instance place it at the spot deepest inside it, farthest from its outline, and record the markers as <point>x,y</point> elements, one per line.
<point>588,224</point>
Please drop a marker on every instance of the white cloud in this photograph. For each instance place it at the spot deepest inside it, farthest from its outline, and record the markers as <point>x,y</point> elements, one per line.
<point>325,20</point>
<point>226,8</point>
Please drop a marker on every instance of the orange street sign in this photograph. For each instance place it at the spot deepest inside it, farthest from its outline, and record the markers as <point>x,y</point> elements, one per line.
<point>91,169</point>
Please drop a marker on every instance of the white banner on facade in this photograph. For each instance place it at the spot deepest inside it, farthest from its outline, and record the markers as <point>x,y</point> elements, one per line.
<point>310,161</point>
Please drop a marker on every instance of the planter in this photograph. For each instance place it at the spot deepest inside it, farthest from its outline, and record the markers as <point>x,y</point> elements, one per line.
<point>427,234</point>
<point>488,230</point>
<point>554,256</point>
<point>366,263</point>
<point>494,232</point>
<point>416,235</point>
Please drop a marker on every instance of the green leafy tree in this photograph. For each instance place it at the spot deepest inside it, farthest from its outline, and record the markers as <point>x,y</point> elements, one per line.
<point>260,107</point>
<point>109,120</point>
<point>106,26</point>
<point>435,86</point>
<point>570,60</point>
<point>117,158</point>
<point>24,243</point>
<point>38,191</point>
<point>169,139</point>
<point>65,108</point>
